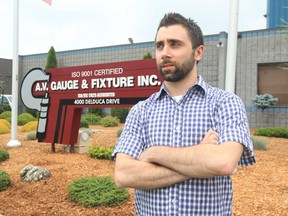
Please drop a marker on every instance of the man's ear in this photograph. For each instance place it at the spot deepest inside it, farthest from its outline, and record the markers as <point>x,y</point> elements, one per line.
<point>199,51</point>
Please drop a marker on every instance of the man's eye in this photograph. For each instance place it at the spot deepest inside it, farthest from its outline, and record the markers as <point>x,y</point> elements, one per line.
<point>159,46</point>
<point>175,43</point>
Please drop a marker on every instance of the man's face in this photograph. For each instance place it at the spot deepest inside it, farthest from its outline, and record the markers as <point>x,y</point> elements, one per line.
<point>174,54</point>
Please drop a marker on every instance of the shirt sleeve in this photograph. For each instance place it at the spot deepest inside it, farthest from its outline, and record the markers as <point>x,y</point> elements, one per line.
<point>131,140</point>
<point>234,127</point>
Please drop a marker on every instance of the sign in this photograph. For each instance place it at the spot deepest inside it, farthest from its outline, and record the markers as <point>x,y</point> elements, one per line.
<point>60,94</point>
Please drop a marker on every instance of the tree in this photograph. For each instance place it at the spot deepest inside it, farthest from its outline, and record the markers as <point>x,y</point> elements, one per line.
<point>263,102</point>
<point>51,59</point>
<point>147,56</point>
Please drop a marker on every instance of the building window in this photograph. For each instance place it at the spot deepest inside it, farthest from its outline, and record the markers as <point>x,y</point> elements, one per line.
<point>273,79</point>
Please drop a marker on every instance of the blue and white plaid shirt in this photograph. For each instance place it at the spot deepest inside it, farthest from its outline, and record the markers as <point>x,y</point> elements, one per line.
<point>162,120</point>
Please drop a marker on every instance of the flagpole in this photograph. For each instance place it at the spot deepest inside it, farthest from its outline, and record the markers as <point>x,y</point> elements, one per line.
<point>232,47</point>
<point>14,142</point>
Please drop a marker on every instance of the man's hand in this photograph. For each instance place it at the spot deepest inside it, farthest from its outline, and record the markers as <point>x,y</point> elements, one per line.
<point>132,173</point>
<point>211,137</point>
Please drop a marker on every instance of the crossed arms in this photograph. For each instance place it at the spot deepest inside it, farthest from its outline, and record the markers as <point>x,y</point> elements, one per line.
<point>162,166</point>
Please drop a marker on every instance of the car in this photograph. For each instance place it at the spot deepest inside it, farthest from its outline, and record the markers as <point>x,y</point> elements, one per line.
<point>6,99</point>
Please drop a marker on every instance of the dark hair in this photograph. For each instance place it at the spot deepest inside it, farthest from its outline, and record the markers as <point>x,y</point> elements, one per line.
<point>194,31</point>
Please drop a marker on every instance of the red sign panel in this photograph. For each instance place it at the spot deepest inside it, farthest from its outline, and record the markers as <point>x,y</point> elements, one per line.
<point>60,94</point>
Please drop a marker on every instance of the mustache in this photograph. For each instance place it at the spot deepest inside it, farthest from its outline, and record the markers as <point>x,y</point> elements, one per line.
<point>165,62</point>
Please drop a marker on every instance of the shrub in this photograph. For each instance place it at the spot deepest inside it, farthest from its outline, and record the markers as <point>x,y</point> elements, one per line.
<point>4,107</point>
<point>3,128</point>
<point>24,118</point>
<point>4,155</point>
<point>30,126</point>
<point>33,112</point>
<point>97,191</point>
<point>259,143</point>
<point>6,115</point>
<point>110,121</point>
<point>120,113</point>
<point>272,132</point>
<point>96,111</point>
<point>31,135</point>
<point>5,181</point>
<point>91,118</point>
<point>119,132</point>
<point>100,152</point>
<point>84,124</point>
<point>5,122</point>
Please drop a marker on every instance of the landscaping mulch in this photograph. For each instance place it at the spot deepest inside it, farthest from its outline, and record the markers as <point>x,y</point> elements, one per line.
<point>261,189</point>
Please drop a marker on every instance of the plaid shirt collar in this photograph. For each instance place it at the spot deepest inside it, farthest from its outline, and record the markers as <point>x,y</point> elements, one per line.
<point>200,83</point>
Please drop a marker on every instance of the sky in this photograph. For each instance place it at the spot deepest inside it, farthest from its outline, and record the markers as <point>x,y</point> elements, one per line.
<point>75,24</point>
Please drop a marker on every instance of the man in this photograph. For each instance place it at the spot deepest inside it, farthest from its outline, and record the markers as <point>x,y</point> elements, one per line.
<point>180,146</point>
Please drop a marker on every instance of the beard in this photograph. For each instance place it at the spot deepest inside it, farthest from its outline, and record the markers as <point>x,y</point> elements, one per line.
<point>179,72</point>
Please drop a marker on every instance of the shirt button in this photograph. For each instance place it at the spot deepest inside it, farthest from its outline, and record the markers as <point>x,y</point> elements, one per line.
<point>178,128</point>
<point>173,201</point>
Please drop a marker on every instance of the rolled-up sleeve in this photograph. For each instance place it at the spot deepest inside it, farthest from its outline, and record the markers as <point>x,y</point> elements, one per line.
<point>234,127</point>
<point>131,140</point>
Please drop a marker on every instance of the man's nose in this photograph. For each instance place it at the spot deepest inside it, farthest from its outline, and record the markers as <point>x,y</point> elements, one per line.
<point>166,52</point>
